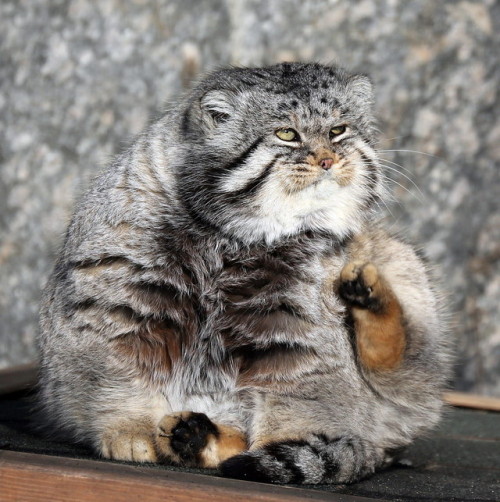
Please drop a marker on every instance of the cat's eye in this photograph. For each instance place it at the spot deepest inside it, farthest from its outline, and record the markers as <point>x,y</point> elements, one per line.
<point>337,131</point>
<point>287,134</point>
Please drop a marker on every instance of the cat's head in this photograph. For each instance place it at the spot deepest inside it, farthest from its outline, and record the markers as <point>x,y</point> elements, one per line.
<point>271,152</point>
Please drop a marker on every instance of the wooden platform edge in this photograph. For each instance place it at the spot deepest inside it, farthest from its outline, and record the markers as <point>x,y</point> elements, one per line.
<point>18,378</point>
<point>32,477</point>
<point>466,400</point>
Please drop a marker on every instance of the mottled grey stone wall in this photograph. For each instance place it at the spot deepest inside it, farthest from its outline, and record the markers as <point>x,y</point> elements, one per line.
<point>79,79</point>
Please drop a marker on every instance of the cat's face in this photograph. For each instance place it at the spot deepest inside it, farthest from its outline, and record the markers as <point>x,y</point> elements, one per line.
<point>272,152</point>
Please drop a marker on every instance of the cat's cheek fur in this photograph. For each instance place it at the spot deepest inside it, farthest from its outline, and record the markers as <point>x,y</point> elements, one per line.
<point>249,172</point>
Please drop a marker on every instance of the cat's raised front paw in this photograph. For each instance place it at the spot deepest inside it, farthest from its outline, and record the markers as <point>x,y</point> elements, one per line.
<point>359,285</point>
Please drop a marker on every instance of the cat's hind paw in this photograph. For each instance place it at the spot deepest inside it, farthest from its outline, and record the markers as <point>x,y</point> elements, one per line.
<point>377,315</point>
<point>183,437</point>
<point>192,439</point>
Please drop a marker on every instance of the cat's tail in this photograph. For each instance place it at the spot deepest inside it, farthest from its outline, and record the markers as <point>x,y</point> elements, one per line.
<point>319,459</point>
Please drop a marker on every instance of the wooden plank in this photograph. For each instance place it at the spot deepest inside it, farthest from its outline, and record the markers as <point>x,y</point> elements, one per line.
<point>466,400</point>
<point>18,378</point>
<point>33,478</point>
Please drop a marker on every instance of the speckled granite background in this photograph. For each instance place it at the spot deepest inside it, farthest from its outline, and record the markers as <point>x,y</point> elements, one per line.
<point>79,79</point>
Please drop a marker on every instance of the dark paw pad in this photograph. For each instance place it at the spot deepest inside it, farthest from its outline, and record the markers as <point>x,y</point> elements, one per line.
<point>357,286</point>
<point>357,293</point>
<point>190,435</point>
<point>245,466</point>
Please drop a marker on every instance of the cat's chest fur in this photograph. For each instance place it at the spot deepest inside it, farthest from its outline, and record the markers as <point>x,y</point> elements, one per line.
<point>262,311</point>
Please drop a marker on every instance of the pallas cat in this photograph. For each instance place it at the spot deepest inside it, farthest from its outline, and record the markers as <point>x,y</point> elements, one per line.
<point>224,297</point>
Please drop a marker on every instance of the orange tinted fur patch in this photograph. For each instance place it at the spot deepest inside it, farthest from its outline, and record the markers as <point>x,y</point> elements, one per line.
<point>380,336</point>
<point>230,442</point>
<point>153,351</point>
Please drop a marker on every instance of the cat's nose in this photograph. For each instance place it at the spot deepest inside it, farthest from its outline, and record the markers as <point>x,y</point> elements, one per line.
<point>326,163</point>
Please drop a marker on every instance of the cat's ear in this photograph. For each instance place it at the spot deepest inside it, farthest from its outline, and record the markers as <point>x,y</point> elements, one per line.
<point>217,107</point>
<point>361,89</point>
<point>207,112</point>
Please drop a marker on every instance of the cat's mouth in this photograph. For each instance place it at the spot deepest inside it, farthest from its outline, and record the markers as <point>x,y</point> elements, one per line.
<point>303,177</point>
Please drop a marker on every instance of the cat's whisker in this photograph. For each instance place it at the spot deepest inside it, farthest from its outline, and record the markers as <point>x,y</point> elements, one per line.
<point>392,139</point>
<point>406,189</point>
<point>412,151</point>
<point>422,198</point>
<point>383,199</point>
<point>382,159</point>
<point>386,207</point>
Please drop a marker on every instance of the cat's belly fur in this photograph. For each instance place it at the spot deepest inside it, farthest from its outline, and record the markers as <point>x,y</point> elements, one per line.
<point>268,334</point>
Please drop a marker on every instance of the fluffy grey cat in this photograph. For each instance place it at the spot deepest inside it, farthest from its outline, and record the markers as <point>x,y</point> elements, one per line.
<point>224,299</point>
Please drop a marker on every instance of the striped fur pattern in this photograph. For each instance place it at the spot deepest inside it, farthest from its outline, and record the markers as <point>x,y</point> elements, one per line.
<point>201,294</point>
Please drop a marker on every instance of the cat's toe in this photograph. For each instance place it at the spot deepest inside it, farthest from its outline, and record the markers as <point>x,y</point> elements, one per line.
<point>183,437</point>
<point>351,271</point>
<point>129,446</point>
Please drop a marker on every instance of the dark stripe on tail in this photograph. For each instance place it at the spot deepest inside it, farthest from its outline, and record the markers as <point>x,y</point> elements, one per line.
<point>318,460</point>
<point>283,453</point>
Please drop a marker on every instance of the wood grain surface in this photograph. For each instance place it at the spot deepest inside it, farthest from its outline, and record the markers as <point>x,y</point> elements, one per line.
<point>30,477</point>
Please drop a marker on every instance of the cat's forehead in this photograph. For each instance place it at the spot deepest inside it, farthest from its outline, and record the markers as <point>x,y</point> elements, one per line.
<point>295,83</point>
<point>300,78</point>
<point>306,111</point>
<point>299,84</point>
<point>312,106</point>
<point>305,92</point>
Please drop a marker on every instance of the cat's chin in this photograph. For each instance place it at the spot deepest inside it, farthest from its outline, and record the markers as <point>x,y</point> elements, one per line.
<point>325,208</point>
<point>273,229</point>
